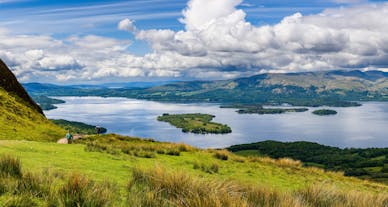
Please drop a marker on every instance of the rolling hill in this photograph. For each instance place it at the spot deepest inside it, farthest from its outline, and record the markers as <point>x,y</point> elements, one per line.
<point>332,88</point>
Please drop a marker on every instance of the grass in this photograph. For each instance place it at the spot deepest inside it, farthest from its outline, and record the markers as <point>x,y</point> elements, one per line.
<point>195,123</point>
<point>160,186</point>
<point>10,166</point>
<point>114,173</point>
<point>115,166</point>
<point>27,124</point>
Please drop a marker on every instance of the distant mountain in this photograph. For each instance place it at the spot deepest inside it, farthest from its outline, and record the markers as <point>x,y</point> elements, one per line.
<point>309,88</point>
<point>333,88</point>
<point>20,117</point>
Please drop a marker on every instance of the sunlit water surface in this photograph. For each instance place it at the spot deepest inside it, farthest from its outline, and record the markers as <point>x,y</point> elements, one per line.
<point>365,126</point>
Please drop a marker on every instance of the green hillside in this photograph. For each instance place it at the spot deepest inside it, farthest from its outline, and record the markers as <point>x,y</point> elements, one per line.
<point>20,117</point>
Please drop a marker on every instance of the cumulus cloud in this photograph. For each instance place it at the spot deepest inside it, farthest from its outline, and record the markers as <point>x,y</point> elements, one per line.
<point>217,42</point>
<point>126,25</point>
<point>336,38</point>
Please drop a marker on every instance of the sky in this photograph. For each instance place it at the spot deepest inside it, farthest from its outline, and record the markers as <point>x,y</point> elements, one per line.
<point>73,42</point>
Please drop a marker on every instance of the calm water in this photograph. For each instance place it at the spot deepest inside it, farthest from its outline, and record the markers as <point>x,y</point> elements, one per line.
<point>365,126</point>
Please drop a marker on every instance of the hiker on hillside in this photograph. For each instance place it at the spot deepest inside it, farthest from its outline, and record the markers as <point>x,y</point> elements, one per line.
<point>69,137</point>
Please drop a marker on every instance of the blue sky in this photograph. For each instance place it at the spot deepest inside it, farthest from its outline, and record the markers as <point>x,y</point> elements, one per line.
<point>64,21</point>
<point>64,18</point>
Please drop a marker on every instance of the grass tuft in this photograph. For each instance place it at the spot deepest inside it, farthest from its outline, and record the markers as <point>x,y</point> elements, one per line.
<point>80,191</point>
<point>222,154</point>
<point>10,166</point>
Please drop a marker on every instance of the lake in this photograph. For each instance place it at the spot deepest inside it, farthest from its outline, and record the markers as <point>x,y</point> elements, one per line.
<point>365,126</point>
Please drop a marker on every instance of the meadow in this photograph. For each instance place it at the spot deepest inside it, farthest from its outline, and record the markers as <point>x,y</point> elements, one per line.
<point>115,170</point>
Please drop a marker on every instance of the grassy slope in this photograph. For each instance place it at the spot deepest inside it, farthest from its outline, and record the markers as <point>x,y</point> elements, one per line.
<point>117,167</point>
<point>20,122</point>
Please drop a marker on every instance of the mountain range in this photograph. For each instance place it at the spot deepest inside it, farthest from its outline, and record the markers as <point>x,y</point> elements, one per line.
<point>332,88</point>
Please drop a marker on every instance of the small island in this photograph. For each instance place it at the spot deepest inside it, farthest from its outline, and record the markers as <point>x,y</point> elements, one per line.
<point>324,112</point>
<point>259,109</point>
<point>195,123</point>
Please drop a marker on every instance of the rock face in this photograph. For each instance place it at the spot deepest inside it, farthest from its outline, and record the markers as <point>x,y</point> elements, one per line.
<point>9,83</point>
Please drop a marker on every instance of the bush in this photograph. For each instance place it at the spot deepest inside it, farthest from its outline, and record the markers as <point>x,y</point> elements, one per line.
<point>10,166</point>
<point>173,152</point>
<point>144,154</point>
<point>221,154</point>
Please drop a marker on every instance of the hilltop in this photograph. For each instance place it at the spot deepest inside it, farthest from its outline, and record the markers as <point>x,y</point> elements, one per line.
<point>332,88</point>
<point>20,117</point>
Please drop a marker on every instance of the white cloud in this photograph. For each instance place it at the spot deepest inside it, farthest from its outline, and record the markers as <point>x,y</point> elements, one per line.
<point>218,42</point>
<point>126,25</point>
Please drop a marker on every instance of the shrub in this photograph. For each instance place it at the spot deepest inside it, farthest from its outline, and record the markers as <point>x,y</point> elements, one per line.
<point>173,152</point>
<point>287,162</point>
<point>144,154</point>
<point>221,154</point>
<point>10,166</point>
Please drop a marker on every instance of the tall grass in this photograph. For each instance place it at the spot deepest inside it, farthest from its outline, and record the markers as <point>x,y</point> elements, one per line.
<point>10,166</point>
<point>222,154</point>
<point>166,188</point>
<point>115,144</point>
<point>158,187</point>
<point>36,185</point>
<point>80,191</point>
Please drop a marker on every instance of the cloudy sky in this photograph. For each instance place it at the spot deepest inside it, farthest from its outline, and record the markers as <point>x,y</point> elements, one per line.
<point>97,41</point>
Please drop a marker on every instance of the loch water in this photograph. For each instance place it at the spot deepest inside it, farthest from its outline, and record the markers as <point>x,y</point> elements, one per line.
<point>365,126</point>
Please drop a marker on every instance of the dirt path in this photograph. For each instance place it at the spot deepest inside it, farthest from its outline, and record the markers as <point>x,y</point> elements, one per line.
<point>64,140</point>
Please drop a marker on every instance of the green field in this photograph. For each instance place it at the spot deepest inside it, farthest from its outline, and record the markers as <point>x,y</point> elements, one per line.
<point>195,123</point>
<point>123,161</point>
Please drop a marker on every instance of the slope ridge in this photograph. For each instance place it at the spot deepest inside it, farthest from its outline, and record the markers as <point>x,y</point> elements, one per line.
<point>9,83</point>
<point>20,117</point>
